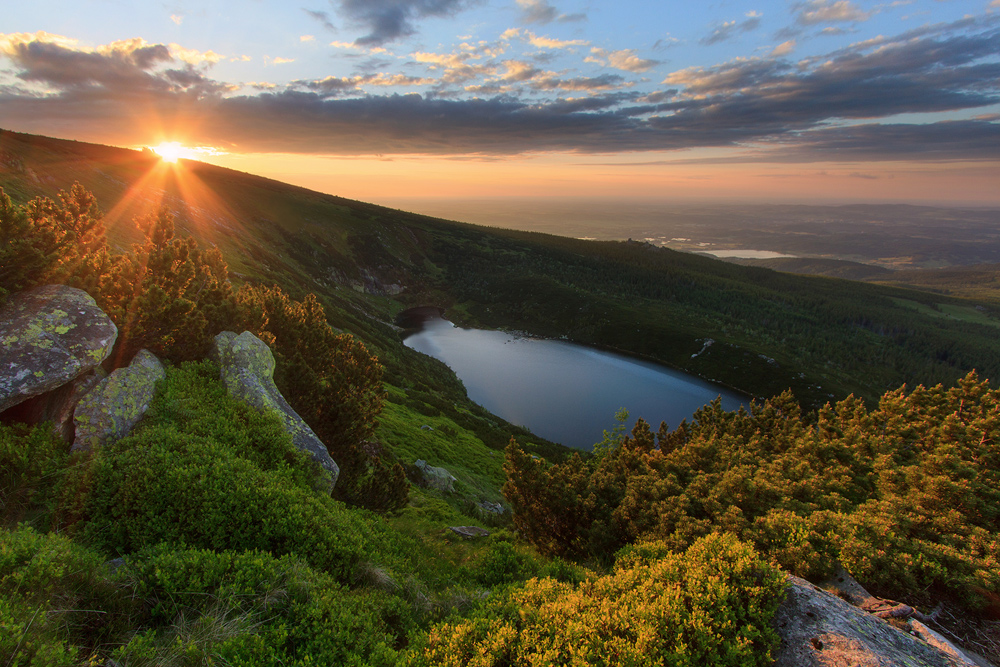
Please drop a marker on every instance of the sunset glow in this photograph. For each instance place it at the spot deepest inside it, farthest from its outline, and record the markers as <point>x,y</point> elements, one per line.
<point>846,100</point>
<point>169,151</point>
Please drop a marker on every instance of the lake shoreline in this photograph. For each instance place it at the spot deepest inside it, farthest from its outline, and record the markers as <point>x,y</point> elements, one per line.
<point>564,391</point>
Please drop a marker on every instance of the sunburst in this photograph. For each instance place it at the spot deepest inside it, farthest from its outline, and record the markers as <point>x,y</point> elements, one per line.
<point>169,151</point>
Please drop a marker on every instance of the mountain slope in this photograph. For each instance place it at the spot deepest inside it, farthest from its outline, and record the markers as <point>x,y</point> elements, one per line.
<point>820,336</point>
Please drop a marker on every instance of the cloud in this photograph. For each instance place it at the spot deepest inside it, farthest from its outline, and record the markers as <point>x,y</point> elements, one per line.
<point>580,84</point>
<point>322,17</point>
<point>540,11</point>
<point>307,38</point>
<point>277,61</point>
<point>730,29</point>
<point>518,70</point>
<point>625,60</point>
<point>819,108</point>
<point>456,66</point>
<point>194,57</point>
<point>812,12</point>
<point>541,42</point>
<point>783,49</point>
<point>177,18</point>
<point>390,20</point>
<point>945,140</point>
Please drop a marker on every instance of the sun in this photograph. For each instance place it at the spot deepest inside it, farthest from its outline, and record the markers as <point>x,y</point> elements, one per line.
<point>169,151</point>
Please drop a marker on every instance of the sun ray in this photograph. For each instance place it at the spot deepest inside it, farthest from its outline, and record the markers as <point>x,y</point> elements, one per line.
<point>170,151</point>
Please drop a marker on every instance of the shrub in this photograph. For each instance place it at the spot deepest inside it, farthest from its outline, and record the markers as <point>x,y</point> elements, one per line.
<point>907,495</point>
<point>55,599</point>
<point>335,384</point>
<point>712,605</point>
<point>252,608</point>
<point>31,463</point>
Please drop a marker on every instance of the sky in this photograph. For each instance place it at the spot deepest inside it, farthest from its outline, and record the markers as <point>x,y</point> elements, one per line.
<point>390,100</point>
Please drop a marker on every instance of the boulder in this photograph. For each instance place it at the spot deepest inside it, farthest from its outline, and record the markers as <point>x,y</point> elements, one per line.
<point>111,410</point>
<point>818,628</point>
<point>50,336</point>
<point>57,406</point>
<point>247,369</point>
<point>487,507</point>
<point>469,532</point>
<point>435,478</point>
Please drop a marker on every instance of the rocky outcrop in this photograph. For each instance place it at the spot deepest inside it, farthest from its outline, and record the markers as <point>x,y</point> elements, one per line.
<point>49,336</point>
<point>820,629</point>
<point>247,369</point>
<point>58,405</point>
<point>111,410</point>
<point>434,478</point>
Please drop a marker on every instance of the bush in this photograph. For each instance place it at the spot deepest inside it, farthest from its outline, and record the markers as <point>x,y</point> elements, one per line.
<point>32,459</point>
<point>206,471</point>
<point>712,605</point>
<point>907,495</point>
<point>55,599</point>
<point>252,608</point>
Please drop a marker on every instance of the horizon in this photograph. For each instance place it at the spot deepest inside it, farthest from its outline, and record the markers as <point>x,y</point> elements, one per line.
<point>821,102</point>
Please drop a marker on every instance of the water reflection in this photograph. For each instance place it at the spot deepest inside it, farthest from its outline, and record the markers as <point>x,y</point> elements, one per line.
<point>564,392</point>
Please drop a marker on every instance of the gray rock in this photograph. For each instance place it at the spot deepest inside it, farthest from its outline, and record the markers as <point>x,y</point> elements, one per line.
<point>111,410</point>
<point>50,336</point>
<point>818,628</point>
<point>247,369</point>
<point>488,507</point>
<point>435,478</point>
<point>469,532</point>
<point>57,406</point>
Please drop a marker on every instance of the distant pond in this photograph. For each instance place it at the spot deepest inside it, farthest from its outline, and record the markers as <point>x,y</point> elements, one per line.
<point>561,391</point>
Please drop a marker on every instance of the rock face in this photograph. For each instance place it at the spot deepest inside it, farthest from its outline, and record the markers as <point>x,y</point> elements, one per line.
<point>818,628</point>
<point>435,478</point>
<point>49,336</point>
<point>247,369</point>
<point>112,408</point>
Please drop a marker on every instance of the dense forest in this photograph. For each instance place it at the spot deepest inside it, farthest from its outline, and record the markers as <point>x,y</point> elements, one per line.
<point>202,538</point>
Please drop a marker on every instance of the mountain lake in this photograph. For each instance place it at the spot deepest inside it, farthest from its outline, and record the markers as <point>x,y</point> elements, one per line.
<point>564,392</point>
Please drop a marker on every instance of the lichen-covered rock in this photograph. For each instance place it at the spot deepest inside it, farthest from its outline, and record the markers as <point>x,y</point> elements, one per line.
<point>247,369</point>
<point>818,628</point>
<point>57,406</point>
<point>111,410</point>
<point>435,478</point>
<point>49,336</point>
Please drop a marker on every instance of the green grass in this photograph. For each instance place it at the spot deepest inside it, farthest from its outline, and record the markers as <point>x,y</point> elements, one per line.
<point>478,468</point>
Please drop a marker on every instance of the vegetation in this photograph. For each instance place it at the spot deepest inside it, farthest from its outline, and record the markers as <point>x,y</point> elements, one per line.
<point>905,496</point>
<point>711,605</point>
<point>205,538</point>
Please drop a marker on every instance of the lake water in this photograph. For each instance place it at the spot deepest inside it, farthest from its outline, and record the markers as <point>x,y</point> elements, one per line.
<point>561,391</point>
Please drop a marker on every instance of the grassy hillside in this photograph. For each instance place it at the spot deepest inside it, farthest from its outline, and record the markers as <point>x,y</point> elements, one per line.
<point>206,537</point>
<point>821,337</point>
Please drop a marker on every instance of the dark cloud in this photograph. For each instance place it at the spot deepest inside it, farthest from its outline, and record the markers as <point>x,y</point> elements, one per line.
<point>323,18</point>
<point>540,11</point>
<point>822,108</point>
<point>127,68</point>
<point>946,140</point>
<point>389,20</point>
<point>583,83</point>
<point>730,29</point>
